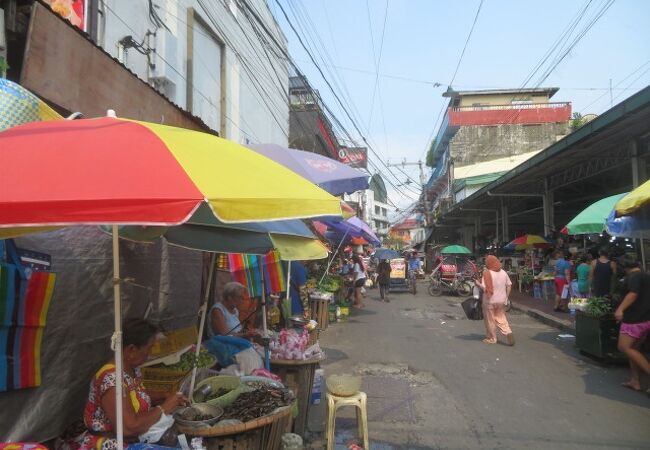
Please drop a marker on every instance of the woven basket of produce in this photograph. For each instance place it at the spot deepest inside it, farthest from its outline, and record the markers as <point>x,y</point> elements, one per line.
<point>167,378</point>
<point>252,409</point>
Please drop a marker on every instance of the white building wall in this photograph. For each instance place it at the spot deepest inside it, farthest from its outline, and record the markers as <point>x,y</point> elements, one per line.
<point>367,200</point>
<point>247,100</point>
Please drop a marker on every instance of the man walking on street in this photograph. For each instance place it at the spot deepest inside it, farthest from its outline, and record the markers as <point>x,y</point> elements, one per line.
<point>562,278</point>
<point>383,278</point>
<point>634,315</point>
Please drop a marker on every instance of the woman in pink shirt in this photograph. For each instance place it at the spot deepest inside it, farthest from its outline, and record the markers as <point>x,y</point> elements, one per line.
<point>496,286</point>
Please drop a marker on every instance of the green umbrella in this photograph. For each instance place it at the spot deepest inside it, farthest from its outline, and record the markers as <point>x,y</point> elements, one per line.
<point>455,250</point>
<point>592,219</point>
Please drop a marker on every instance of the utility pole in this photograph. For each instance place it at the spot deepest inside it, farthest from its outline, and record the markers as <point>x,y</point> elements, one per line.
<point>418,163</point>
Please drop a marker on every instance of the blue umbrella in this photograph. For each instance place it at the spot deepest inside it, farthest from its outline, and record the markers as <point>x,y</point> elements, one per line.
<point>386,253</point>
<point>636,225</point>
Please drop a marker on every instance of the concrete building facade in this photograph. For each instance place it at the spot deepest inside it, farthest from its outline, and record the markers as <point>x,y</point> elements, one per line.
<point>210,58</point>
<point>486,125</point>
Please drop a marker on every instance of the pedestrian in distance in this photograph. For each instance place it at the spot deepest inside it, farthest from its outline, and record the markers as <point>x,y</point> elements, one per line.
<point>496,286</point>
<point>562,276</point>
<point>634,315</point>
<point>359,280</point>
<point>383,278</point>
<point>582,274</point>
<point>603,270</point>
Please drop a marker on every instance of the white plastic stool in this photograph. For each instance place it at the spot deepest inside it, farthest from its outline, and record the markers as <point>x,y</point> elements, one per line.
<point>358,400</point>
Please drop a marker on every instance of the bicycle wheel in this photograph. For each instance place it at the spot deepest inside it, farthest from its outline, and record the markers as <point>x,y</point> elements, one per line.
<point>435,290</point>
<point>464,289</point>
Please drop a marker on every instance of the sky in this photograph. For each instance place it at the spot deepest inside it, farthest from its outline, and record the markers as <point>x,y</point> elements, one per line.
<point>422,44</point>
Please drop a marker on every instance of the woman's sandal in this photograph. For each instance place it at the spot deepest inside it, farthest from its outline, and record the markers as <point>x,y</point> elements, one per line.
<point>489,341</point>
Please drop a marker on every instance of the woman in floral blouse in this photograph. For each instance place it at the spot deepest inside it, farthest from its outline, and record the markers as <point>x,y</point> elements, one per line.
<point>138,412</point>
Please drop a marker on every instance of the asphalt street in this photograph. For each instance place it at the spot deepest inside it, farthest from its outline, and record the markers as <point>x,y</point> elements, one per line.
<point>432,383</point>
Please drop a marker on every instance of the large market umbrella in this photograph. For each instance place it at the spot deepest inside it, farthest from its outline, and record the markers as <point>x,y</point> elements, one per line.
<point>634,200</point>
<point>333,176</point>
<point>455,250</point>
<point>116,171</point>
<point>592,219</point>
<point>528,242</point>
<point>345,230</point>
<point>18,106</point>
<point>636,225</point>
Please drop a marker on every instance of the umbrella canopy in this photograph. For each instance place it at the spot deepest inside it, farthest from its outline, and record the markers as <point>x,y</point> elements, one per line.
<point>333,176</point>
<point>19,106</point>
<point>291,238</point>
<point>527,242</point>
<point>636,225</point>
<point>455,250</point>
<point>592,219</point>
<point>109,170</point>
<point>386,253</point>
<point>344,231</point>
<point>633,200</point>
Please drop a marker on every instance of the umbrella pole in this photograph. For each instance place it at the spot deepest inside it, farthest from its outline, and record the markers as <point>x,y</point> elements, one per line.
<point>288,298</point>
<point>265,331</point>
<point>204,313</point>
<point>117,339</point>
<point>329,263</point>
<point>642,251</point>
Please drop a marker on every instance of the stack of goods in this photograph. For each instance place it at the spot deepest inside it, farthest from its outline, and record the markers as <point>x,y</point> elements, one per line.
<point>290,345</point>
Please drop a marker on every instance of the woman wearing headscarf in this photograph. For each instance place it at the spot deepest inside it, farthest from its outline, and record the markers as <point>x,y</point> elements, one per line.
<point>496,286</point>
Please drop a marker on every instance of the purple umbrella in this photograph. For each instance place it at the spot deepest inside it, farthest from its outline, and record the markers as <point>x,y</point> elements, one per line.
<point>333,176</point>
<point>353,227</point>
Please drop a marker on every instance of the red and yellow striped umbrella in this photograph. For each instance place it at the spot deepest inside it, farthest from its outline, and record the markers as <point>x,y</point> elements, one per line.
<point>110,170</point>
<point>527,242</point>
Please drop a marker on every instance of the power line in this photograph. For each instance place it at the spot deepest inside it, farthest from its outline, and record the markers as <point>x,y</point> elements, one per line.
<point>327,82</point>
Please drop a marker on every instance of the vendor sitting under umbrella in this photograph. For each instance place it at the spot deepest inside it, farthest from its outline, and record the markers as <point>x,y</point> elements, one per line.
<point>138,412</point>
<point>224,315</point>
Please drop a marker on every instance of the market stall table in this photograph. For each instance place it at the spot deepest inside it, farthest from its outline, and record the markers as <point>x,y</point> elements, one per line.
<point>298,375</point>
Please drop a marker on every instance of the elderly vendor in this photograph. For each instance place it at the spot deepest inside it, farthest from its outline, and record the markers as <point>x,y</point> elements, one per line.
<point>138,412</point>
<point>224,315</point>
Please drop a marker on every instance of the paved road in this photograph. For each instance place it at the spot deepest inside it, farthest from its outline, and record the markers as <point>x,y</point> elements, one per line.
<point>432,383</point>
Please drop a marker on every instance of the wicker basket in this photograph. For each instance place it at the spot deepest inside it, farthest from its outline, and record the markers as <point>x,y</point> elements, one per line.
<point>163,380</point>
<point>343,385</point>
<point>220,382</point>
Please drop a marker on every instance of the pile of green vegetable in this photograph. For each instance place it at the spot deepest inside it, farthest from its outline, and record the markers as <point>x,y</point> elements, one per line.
<point>186,363</point>
<point>331,283</point>
<point>598,307</point>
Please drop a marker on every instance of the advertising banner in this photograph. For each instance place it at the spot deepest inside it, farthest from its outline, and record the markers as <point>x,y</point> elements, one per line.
<point>398,268</point>
<point>356,157</point>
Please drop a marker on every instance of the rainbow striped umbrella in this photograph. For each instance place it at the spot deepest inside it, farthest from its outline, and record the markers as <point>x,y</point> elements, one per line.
<point>528,242</point>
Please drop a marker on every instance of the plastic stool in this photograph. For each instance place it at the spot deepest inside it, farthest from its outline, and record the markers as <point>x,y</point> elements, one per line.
<point>358,400</point>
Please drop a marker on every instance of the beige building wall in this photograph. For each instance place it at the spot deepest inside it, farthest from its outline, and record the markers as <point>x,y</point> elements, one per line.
<point>501,99</point>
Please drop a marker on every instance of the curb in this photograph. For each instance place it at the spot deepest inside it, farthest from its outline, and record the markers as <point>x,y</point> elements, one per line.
<point>564,325</point>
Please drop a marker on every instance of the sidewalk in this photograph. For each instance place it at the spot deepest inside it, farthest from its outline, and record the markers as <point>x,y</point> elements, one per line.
<point>542,310</point>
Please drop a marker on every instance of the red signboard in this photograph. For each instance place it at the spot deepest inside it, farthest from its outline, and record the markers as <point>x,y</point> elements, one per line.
<point>354,156</point>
